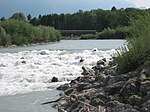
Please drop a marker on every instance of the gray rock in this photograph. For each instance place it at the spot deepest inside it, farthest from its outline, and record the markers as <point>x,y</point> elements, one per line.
<point>146,106</point>
<point>114,79</point>
<point>99,95</point>
<point>64,87</point>
<point>110,72</point>
<point>130,87</point>
<point>145,86</point>
<point>142,77</point>
<point>97,101</point>
<point>54,79</point>
<point>129,110</point>
<point>135,100</point>
<point>146,97</point>
<point>115,87</point>
<point>81,98</point>
<point>43,53</point>
<point>113,104</point>
<point>87,71</point>
<point>68,91</point>
<point>146,72</point>
<point>73,107</point>
<point>82,86</point>
<point>24,62</point>
<point>122,107</point>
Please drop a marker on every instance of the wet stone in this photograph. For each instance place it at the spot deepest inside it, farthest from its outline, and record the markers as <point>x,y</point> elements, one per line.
<point>54,79</point>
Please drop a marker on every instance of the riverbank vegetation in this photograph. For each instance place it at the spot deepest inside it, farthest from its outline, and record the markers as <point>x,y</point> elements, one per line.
<point>114,23</point>
<point>19,32</point>
<point>138,47</point>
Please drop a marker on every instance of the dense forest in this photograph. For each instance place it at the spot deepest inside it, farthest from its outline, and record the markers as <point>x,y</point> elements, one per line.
<point>89,20</point>
<point>18,31</point>
<point>112,23</point>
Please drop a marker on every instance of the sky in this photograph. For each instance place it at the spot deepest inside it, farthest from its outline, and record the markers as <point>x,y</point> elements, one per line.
<point>141,3</point>
<point>36,7</point>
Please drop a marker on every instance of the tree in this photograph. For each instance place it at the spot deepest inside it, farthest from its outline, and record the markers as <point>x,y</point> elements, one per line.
<point>3,18</point>
<point>113,8</point>
<point>34,21</point>
<point>19,16</point>
<point>40,16</point>
<point>29,17</point>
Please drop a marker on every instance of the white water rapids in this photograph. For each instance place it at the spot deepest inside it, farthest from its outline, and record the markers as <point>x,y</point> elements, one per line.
<point>28,71</point>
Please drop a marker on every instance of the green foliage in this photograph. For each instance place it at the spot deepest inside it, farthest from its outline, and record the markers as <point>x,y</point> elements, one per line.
<point>4,38</point>
<point>90,20</point>
<point>89,36</point>
<point>19,16</point>
<point>106,33</point>
<point>19,32</point>
<point>129,57</point>
<point>118,33</point>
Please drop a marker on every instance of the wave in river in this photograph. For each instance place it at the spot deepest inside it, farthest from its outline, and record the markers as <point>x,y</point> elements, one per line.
<point>33,70</point>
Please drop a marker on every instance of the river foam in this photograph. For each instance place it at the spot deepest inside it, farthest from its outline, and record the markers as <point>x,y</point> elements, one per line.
<point>28,71</point>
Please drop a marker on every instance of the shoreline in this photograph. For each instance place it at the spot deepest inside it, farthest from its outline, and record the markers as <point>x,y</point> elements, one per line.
<point>29,45</point>
<point>101,89</point>
<point>45,43</point>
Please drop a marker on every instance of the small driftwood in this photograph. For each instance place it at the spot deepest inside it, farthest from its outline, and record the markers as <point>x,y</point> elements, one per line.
<point>51,101</point>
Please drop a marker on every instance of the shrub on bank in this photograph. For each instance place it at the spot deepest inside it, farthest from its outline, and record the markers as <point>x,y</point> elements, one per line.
<point>20,32</point>
<point>129,58</point>
<point>118,33</point>
<point>89,36</point>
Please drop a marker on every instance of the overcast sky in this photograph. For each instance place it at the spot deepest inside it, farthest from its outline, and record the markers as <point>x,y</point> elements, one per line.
<point>141,3</point>
<point>36,7</point>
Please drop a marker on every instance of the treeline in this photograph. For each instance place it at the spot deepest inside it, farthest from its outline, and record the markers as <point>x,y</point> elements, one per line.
<point>110,24</point>
<point>19,32</point>
<point>89,20</point>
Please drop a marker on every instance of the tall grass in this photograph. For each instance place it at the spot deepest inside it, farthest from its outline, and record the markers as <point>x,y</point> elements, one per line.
<point>129,58</point>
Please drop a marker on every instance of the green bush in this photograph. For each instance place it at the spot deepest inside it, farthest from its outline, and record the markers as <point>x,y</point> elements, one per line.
<point>19,32</point>
<point>89,36</point>
<point>118,33</point>
<point>130,57</point>
<point>5,39</point>
<point>106,34</point>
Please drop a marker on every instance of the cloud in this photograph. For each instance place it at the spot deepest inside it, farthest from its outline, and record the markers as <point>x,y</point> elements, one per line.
<point>141,3</point>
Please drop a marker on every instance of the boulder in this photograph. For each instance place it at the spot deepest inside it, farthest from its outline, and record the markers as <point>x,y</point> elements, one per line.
<point>82,86</point>
<point>115,87</point>
<point>24,62</point>
<point>135,100</point>
<point>43,53</point>
<point>142,77</point>
<point>64,87</point>
<point>113,104</point>
<point>87,71</point>
<point>68,91</point>
<point>146,97</point>
<point>146,106</point>
<point>97,101</point>
<point>131,86</point>
<point>101,62</point>
<point>54,79</point>
<point>121,107</point>
<point>145,86</point>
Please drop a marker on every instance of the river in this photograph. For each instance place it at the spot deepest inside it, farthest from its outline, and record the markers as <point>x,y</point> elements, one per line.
<point>26,72</point>
<point>71,45</point>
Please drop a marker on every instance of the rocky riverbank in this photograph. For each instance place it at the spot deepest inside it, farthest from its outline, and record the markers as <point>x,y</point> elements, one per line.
<point>101,89</point>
